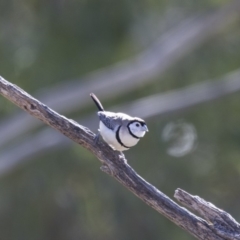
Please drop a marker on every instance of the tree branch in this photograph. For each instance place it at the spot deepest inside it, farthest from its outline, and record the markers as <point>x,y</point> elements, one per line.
<point>124,76</point>
<point>156,105</point>
<point>112,163</point>
<point>222,223</point>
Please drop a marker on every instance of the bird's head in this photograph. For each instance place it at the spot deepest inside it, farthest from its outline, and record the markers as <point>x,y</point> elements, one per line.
<point>138,127</point>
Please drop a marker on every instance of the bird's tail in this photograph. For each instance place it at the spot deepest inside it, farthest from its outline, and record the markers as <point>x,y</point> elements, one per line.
<point>97,102</point>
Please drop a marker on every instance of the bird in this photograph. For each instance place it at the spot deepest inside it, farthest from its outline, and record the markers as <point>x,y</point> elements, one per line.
<point>119,130</point>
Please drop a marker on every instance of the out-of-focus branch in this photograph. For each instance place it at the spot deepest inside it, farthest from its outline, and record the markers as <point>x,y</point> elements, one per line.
<point>126,75</point>
<point>185,98</point>
<point>157,105</point>
<point>14,156</point>
<point>112,164</point>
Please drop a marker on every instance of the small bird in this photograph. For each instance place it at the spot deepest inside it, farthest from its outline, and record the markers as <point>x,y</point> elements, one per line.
<point>119,130</point>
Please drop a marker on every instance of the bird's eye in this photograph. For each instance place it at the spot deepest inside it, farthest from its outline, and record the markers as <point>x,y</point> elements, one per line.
<point>137,124</point>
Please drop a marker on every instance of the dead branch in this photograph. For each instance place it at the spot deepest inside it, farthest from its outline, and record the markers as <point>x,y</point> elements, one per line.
<point>113,164</point>
<point>155,105</point>
<point>221,222</point>
<point>124,76</point>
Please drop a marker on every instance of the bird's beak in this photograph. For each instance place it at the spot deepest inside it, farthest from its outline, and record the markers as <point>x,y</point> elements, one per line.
<point>145,128</point>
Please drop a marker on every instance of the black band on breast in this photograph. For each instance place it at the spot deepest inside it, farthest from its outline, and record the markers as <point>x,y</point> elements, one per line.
<point>118,138</point>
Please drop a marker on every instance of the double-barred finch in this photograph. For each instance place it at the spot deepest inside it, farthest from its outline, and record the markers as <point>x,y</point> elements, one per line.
<point>119,130</point>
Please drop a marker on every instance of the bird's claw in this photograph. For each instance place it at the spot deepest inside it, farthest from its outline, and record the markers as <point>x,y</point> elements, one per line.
<point>122,157</point>
<point>96,138</point>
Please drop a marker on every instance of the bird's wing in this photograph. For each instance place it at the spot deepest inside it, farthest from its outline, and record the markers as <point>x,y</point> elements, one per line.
<point>112,120</point>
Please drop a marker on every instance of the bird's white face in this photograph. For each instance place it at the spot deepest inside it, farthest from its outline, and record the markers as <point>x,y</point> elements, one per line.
<point>138,128</point>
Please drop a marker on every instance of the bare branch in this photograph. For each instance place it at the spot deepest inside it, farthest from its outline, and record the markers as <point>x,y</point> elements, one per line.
<point>157,105</point>
<point>113,164</point>
<point>221,222</point>
<point>126,75</point>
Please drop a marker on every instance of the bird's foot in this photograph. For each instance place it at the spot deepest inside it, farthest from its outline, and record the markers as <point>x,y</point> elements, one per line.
<point>96,138</point>
<point>122,157</point>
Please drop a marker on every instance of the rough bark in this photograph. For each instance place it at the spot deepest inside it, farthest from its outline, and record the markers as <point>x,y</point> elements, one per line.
<point>216,225</point>
<point>222,223</point>
<point>122,77</point>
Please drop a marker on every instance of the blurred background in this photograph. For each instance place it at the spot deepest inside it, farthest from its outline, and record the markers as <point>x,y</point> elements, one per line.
<point>175,64</point>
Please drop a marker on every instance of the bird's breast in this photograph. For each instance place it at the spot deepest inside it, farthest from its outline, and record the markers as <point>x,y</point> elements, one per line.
<point>126,138</point>
<point>109,136</point>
